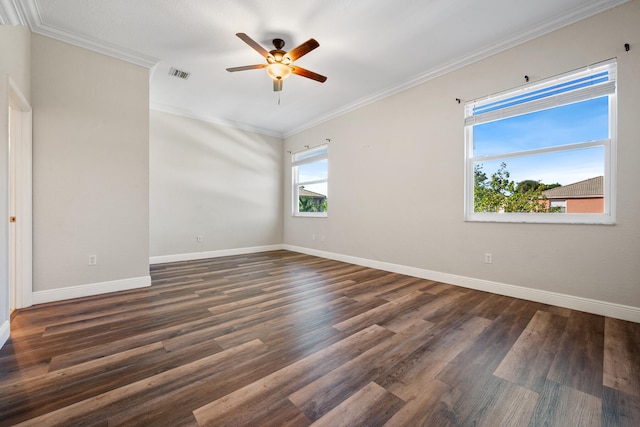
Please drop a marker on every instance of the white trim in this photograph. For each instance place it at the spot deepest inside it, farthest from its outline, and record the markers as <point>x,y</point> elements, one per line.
<point>545,150</point>
<point>90,289</point>
<point>4,332</point>
<point>310,214</point>
<point>601,308</point>
<point>10,14</point>
<point>161,259</point>
<point>32,12</point>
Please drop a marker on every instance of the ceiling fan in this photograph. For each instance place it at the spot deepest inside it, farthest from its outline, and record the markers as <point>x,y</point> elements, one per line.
<point>280,63</point>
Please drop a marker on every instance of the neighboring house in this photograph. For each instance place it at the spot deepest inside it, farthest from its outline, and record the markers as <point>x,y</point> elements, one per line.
<point>580,197</point>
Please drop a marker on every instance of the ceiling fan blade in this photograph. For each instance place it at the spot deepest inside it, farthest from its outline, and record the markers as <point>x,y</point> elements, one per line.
<point>248,40</point>
<point>308,74</point>
<point>277,85</point>
<point>303,49</point>
<point>246,67</point>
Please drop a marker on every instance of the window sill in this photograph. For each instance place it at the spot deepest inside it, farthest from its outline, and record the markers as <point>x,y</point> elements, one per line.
<point>542,218</point>
<point>310,215</point>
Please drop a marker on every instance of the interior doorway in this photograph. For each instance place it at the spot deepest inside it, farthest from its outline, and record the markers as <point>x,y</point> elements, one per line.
<point>20,199</point>
<point>12,207</point>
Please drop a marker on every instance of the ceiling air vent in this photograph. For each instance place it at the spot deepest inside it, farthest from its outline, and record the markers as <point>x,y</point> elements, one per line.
<point>179,73</point>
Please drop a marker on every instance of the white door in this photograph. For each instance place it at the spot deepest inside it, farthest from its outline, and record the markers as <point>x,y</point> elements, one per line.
<point>14,137</point>
<point>20,203</point>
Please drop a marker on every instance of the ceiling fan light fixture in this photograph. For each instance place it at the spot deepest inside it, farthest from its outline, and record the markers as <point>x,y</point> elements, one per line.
<point>279,64</point>
<point>278,71</point>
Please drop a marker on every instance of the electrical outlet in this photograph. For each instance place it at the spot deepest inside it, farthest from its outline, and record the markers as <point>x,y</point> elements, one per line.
<point>488,258</point>
<point>199,238</point>
<point>93,259</point>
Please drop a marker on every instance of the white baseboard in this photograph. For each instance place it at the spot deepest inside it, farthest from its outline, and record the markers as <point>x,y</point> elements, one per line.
<point>90,289</point>
<point>161,259</point>
<point>4,333</point>
<point>602,308</point>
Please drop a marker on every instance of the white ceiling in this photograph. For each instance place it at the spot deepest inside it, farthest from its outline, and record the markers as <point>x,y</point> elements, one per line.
<point>369,49</point>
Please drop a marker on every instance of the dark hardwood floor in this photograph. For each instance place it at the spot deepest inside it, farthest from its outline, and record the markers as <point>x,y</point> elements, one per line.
<point>286,339</point>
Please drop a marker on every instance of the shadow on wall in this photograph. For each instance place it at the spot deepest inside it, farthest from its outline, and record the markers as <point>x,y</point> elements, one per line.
<point>213,181</point>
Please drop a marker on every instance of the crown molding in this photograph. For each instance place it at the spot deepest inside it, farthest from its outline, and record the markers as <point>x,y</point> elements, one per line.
<point>522,37</point>
<point>23,12</point>
<point>10,13</point>
<point>31,11</point>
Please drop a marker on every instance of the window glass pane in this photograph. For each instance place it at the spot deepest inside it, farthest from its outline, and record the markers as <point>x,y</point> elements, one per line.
<point>563,167</point>
<point>579,122</point>
<point>312,198</point>
<point>498,180</point>
<point>313,171</point>
<point>310,174</point>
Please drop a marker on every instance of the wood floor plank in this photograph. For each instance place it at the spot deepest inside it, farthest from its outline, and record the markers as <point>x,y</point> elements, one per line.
<point>428,361</point>
<point>36,395</point>
<point>495,402</point>
<point>581,350</point>
<point>239,373</point>
<point>480,359</point>
<point>325,393</point>
<point>281,338</point>
<point>83,411</point>
<point>261,396</point>
<point>528,362</point>
<point>561,406</point>
<point>622,356</point>
<point>619,409</point>
<point>432,406</point>
<point>384,312</point>
<point>430,305</point>
<point>370,406</point>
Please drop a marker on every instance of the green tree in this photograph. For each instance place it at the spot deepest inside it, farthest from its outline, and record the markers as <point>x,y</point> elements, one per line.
<point>498,193</point>
<point>531,185</point>
<point>311,204</point>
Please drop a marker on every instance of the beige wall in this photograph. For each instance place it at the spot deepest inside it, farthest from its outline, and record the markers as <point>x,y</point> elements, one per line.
<point>221,183</point>
<point>396,177</point>
<point>14,62</point>
<point>91,166</point>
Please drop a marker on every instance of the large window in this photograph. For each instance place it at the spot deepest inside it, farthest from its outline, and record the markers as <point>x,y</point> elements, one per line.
<point>544,152</point>
<point>310,173</point>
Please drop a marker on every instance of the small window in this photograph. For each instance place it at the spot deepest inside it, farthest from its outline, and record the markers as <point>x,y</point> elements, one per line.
<point>555,137</point>
<point>310,175</point>
<point>558,205</point>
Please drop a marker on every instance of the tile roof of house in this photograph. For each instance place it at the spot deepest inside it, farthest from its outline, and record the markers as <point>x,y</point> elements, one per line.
<point>307,193</point>
<point>592,187</point>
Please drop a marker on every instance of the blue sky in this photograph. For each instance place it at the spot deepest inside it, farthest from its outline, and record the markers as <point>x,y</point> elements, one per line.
<point>579,122</point>
<point>312,172</point>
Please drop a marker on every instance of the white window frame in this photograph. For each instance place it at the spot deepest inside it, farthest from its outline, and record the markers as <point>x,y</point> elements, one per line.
<point>609,145</point>
<point>307,156</point>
